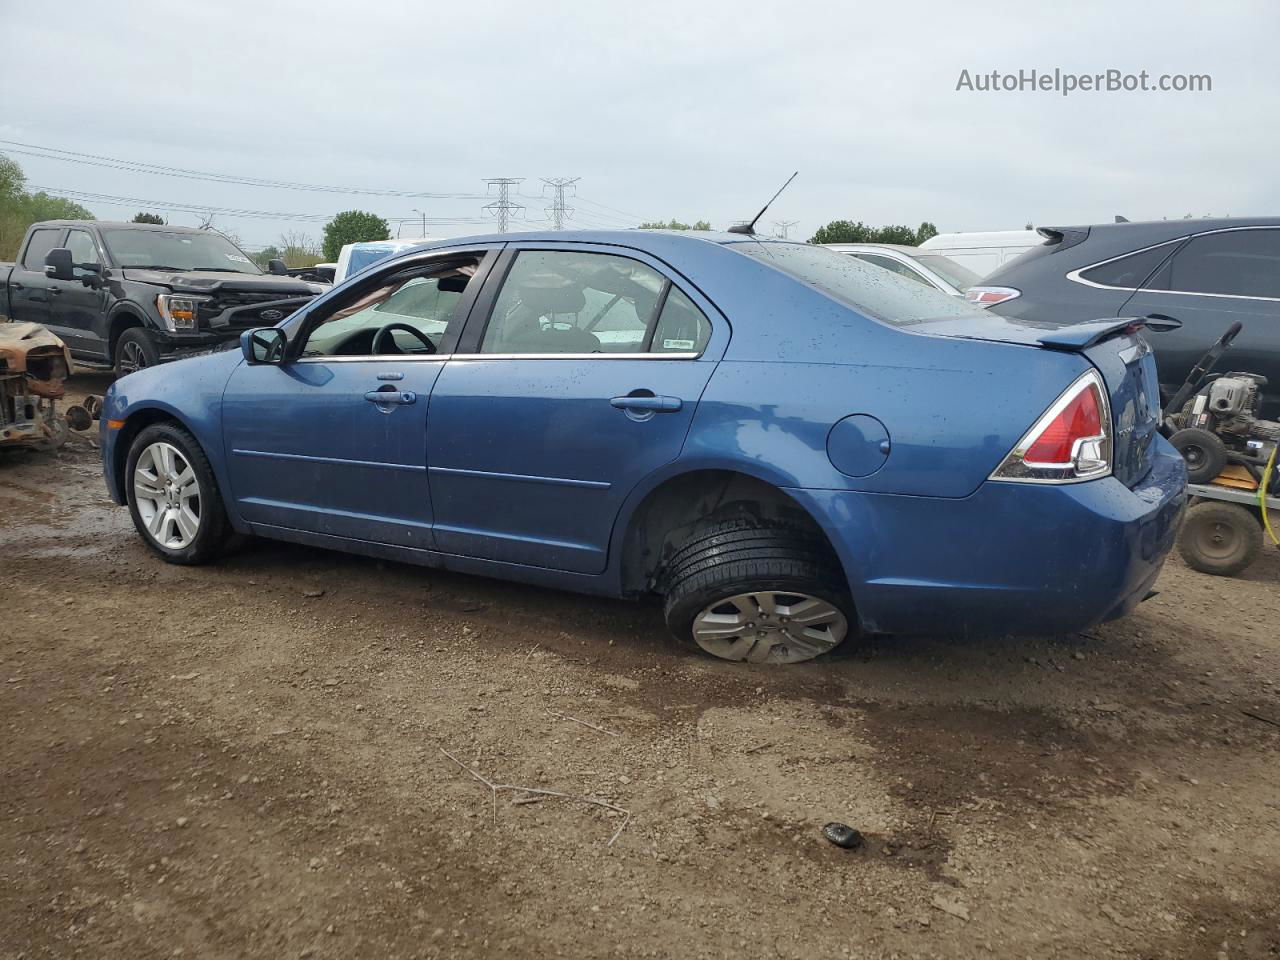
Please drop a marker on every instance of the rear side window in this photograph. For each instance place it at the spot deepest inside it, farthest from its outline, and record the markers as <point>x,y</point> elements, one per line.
<point>42,241</point>
<point>1238,263</point>
<point>870,290</point>
<point>682,327</point>
<point>1129,272</point>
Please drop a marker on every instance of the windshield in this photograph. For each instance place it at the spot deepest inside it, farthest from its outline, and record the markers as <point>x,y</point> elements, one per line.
<point>177,251</point>
<point>958,275</point>
<point>871,290</point>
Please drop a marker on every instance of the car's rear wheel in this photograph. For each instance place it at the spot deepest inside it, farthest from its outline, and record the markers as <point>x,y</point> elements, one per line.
<point>1220,538</point>
<point>760,592</point>
<point>134,351</point>
<point>173,496</point>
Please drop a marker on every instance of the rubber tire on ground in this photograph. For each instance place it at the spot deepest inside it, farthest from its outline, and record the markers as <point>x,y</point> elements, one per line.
<point>1234,520</point>
<point>1204,452</point>
<point>137,336</point>
<point>724,559</point>
<point>215,535</point>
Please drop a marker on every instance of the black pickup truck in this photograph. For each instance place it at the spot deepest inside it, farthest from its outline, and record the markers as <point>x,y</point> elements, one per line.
<point>130,295</point>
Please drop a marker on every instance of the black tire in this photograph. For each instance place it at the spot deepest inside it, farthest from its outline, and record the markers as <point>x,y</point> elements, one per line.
<point>741,557</point>
<point>134,351</point>
<point>1204,452</point>
<point>213,533</point>
<point>1220,538</point>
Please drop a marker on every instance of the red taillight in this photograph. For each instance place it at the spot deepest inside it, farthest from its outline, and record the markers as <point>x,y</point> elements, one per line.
<point>1079,420</point>
<point>990,296</point>
<point>1070,442</point>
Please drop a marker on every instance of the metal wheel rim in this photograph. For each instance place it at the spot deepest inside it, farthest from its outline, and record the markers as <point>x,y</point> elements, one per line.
<point>1218,540</point>
<point>770,626</point>
<point>131,357</point>
<point>167,495</point>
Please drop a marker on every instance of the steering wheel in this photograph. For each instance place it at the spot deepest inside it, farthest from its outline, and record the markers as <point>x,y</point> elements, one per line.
<point>391,328</point>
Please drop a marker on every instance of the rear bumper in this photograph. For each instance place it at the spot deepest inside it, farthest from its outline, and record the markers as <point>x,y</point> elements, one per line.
<point>1010,558</point>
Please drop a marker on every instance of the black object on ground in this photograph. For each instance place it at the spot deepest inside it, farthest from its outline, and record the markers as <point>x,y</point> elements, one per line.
<point>843,835</point>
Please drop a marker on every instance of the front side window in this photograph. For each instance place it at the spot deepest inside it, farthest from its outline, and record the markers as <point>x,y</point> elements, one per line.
<point>408,313</point>
<point>559,301</point>
<point>1237,263</point>
<point>41,242</point>
<point>162,250</point>
<point>82,247</point>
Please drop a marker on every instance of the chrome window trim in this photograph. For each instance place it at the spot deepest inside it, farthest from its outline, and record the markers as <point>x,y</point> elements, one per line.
<point>441,357</point>
<point>576,356</point>
<point>1074,275</point>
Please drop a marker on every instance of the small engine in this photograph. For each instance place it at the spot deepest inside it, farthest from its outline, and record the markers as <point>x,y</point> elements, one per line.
<point>1228,406</point>
<point>1235,395</point>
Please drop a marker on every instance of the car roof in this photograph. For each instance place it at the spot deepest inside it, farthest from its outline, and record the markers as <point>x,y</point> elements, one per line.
<point>163,227</point>
<point>1155,230</point>
<point>639,239</point>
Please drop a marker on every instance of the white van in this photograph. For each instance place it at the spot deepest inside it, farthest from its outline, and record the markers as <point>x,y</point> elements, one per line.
<point>354,257</point>
<point>983,252</point>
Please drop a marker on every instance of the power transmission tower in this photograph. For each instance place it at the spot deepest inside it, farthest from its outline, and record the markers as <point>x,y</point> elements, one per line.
<point>559,212</point>
<point>503,208</point>
<point>781,227</point>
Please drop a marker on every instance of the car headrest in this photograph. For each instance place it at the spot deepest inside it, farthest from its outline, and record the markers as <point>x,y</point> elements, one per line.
<point>547,293</point>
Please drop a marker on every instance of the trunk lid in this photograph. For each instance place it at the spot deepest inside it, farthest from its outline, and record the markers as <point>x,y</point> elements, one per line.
<point>1113,345</point>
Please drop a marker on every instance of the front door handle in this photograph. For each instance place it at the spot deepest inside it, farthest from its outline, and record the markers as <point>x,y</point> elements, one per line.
<point>649,404</point>
<point>391,396</point>
<point>54,291</point>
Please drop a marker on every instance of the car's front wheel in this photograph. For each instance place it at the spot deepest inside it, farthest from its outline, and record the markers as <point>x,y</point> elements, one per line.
<point>173,496</point>
<point>749,590</point>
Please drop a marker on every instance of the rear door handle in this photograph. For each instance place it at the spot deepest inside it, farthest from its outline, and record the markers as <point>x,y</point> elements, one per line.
<point>391,396</point>
<point>54,291</point>
<point>649,403</point>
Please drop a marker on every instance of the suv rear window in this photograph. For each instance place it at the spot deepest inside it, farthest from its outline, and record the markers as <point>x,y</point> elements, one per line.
<point>1131,271</point>
<point>869,289</point>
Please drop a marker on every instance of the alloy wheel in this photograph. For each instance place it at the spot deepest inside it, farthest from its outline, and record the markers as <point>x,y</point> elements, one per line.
<point>770,626</point>
<point>167,495</point>
<point>132,358</point>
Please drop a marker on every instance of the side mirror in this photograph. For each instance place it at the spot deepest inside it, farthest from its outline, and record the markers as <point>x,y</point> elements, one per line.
<point>277,266</point>
<point>263,345</point>
<point>58,264</point>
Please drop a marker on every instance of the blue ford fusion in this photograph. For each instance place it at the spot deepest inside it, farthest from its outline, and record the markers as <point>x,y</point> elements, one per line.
<point>787,446</point>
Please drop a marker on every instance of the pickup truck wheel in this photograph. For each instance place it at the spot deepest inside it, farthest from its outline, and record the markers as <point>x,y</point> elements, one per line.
<point>744,590</point>
<point>134,350</point>
<point>173,496</point>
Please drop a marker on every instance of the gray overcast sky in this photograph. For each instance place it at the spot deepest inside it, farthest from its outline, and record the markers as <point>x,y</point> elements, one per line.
<point>688,110</point>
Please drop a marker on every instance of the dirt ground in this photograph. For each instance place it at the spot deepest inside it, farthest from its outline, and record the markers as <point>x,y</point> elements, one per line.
<point>249,760</point>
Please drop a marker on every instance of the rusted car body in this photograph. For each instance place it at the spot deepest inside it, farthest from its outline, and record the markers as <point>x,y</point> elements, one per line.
<point>34,366</point>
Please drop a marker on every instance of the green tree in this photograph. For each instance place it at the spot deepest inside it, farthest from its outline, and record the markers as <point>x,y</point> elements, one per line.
<point>148,218</point>
<point>849,231</point>
<point>266,255</point>
<point>19,209</point>
<point>673,225</point>
<point>352,226</point>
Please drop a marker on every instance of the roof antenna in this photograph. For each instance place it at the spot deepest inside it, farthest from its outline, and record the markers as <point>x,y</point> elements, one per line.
<point>750,228</point>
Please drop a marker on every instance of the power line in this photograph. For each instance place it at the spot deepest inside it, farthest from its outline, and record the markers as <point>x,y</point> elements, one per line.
<point>558,211</point>
<point>135,166</point>
<point>504,208</point>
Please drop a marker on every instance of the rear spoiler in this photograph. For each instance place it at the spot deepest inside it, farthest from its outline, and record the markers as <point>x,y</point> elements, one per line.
<point>1062,238</point>
<point>1082,336</point>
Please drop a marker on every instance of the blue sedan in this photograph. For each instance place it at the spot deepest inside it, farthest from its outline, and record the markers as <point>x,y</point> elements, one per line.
<point>785,446</point>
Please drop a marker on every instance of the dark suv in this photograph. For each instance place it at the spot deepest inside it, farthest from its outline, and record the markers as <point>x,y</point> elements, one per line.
<point>131,295</point>
<point>1206,273</point>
